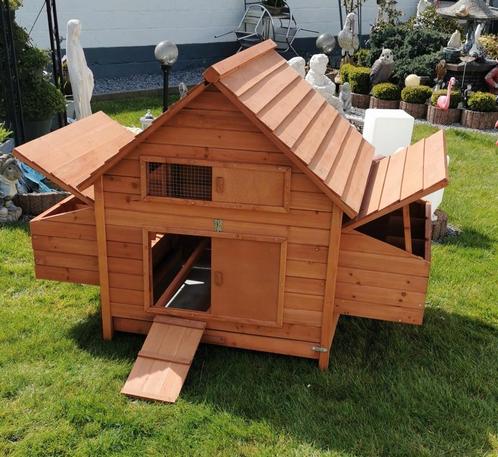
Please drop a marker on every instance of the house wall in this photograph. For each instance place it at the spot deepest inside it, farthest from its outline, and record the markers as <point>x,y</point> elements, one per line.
<point>198,132</point>
<point>119,35</point>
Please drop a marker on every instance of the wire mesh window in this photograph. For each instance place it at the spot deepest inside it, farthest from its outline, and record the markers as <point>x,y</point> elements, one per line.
<point>175,180</point>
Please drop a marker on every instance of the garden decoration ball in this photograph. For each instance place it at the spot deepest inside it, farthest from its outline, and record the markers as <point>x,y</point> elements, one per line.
<point>348,38</point>
<point>412,80</point>
<point>80,76</point>
<point>299,64</point>
<point>492,80</point>
<point>321,83</point>
<point>455,41</point>
<point>383,67</point>
<point>10,172</point>
<point>326,43</point>
<point>345,97</point>
<point>443,102</point>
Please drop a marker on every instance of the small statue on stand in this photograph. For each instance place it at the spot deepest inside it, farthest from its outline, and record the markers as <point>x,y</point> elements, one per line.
<point>182,90</point>
<point>10,172</point>
<point>455,41</point>
<point>477,50</point>
<point>348,38</point>
<point>441,71</point>
<point>321,83</point>
<point>345,97</point>
<point>466,94</point>
<point>383,67</point>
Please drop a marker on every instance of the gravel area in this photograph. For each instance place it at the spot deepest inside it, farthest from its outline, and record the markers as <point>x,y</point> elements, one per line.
<point>141,82</point>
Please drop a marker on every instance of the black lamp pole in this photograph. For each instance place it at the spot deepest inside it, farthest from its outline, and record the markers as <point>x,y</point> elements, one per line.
<point>166,69</point>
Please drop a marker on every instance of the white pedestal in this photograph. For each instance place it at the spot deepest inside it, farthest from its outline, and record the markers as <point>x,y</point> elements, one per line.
<point>387,130</point>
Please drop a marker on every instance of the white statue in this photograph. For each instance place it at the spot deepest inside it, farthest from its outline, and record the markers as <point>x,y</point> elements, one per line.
<point>80,75</point>
<point>476,50</point>
<point>455,41</point>
<point>182,90</point>
<point>321,83</point>
<point>383,67</point>
<point>345,97</point>
<point>10,172</point>
<point>299,64</point>
<point>348,38</point>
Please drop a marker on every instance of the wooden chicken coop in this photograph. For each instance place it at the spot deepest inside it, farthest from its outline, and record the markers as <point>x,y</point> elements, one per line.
<point>250,215</point>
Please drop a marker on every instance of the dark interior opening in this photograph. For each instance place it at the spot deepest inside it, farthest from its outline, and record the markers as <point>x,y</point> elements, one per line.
<point>181,271</point>
<point>389,228</point>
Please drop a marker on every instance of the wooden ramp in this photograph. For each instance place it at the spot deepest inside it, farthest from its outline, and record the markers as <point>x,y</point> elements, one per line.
<point>164,360</point>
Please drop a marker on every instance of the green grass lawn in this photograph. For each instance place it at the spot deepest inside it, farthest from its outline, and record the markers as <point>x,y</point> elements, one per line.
<point>392,390</point>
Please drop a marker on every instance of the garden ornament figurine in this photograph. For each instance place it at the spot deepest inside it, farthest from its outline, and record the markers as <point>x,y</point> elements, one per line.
<point>182,90</point>
<point>492,80</point>
<point>345,97</point>
<point>455,41</point>
<point>466,94</point>
<point>80,75</point>
<point>299,64</point>
<point>321,83</point>
<point>477,50</point>
<point>443,101</point>
<point>348,38</point>
<point>383,67</point>
<point>441,71</point>
<point>412,80</point>
<point>10,172</point>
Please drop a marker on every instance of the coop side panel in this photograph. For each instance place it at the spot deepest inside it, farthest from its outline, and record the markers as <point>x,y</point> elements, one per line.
<point>211,129</point>
<point>379,281</point>
<point>64,243</point>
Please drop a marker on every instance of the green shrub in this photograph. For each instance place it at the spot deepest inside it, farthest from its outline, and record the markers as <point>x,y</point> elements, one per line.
<point>359,79</point>
<point>361,57</point>
<point>344,72</point>
<point>456,97</point>
<point>41,100</point>
<point>430,19</point>
<point>4,133</point>
<point>418,94</point>
<point>482,101</point>
<point>386,91</point>
<point>490,45</point>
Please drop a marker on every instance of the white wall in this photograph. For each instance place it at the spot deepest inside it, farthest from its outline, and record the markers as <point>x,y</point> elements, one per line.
<point>115,23</point>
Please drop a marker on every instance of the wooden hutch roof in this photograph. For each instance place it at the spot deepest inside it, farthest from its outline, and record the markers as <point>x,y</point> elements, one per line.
<point>292,115</point>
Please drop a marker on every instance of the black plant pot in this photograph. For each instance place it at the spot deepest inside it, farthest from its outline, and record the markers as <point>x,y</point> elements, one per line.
<point>36,129</point>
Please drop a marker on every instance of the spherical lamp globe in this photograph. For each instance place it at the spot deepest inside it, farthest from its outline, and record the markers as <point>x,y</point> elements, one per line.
<point>166,52</point>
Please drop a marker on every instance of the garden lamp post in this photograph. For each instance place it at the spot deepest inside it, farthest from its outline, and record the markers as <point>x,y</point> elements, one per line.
<point>166,53</point>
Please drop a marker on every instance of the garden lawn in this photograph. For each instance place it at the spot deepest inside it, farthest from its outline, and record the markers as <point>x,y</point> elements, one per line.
<point>392,390</point>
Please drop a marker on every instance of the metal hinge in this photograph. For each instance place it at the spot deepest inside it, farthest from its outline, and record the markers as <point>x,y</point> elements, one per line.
<point>319,349</point>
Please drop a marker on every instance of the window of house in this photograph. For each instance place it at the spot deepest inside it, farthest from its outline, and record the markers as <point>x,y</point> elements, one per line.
<point>174,180</point>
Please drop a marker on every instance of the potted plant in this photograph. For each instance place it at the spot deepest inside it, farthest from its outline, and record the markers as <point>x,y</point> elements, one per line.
<point>481,112</point>
<point>450,116</point>
<point>385,96</point>
<point>6,142</point>
<point>275,7</point>
<point>359,79</point>
<point>413,100</point>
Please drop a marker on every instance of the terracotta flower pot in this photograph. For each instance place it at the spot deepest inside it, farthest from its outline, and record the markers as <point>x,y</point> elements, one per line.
<point>383,104</point>
<point>360,100</point>
<point>443,117</point>
<point>417,110</point>
<point>479,120</point>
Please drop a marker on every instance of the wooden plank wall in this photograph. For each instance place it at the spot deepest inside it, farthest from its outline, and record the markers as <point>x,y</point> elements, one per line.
<point>64,244</point>
<point>380,281</point>
<point>211,128</point>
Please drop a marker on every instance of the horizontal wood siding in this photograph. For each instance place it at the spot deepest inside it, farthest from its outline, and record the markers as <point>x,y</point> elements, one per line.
<point>64,243</point>
<point>379,281</point>
<point>210,129</point>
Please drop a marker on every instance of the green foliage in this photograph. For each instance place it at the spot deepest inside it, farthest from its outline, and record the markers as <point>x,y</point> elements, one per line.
<point>41,99</point>
<point>5,134</point>
<point>482,101</point>
<point>15,4</point>
<point>386,91</point>
<point>344,72</point>
<point>418,94</point>
<point>429,19</point>
<point>362,57</point>
<point>490,45</point>
<point>416,49</point>
<point>455,99</point>
<point>359,78</point>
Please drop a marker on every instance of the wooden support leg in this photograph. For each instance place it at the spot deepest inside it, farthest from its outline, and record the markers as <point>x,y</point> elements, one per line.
<point>323,361</point>
<point>407,228</point>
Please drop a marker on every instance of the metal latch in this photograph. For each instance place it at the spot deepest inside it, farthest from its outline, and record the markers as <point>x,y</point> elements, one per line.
<point>319,349</point>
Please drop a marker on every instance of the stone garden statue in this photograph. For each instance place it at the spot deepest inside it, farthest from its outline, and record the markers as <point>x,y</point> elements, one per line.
<point>10,172</point>
<point>348,37</point>
<point>182,90</point>
<point>345,97</point>
<point>477,50</point>
<point>321,83</point>
<point>80,75</point>
<point>299,64</point>
<point>383,67</point>
<point>455,41</point>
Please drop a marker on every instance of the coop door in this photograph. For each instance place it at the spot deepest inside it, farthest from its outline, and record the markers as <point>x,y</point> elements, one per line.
<point>247,279</point>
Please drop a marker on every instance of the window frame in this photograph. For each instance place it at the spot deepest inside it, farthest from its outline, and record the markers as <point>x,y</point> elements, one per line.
<point>145,160</point>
